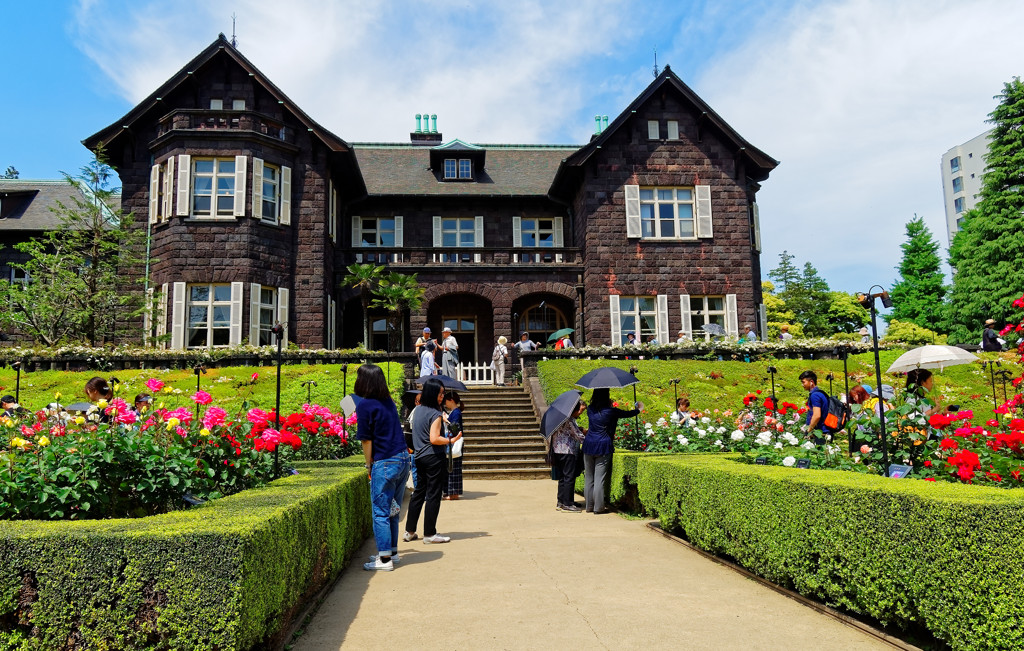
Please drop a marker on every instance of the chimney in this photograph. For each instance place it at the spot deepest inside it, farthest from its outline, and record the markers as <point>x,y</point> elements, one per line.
<point>604,120</point>
<point>425,133</point>
<point>597,125</point>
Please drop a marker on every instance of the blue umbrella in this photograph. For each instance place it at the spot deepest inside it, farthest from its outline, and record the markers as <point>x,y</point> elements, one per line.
<point>607,377</point>
<point>559,411</point>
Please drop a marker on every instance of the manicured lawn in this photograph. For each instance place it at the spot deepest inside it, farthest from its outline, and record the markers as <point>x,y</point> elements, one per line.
<point>722,384</point>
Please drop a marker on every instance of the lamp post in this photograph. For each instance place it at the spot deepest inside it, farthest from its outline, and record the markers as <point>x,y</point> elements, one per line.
<point>636,419</point>
<point>278,331</point>
<point>675,390</point>
<point>17,382</point>
<point>309,384</point>
<point>344,390</point>
<point>199,370</point>
<point>1005,376</point>
<point>772,371</point>
<point>831,376</point>
<point>544,306</point>
<point>868,300</point>
<point>844,354</point>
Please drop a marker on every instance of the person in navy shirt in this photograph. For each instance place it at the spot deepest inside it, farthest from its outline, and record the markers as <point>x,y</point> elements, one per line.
<point>380,430</point>
<point>598,446</point>
<point>817,407</point>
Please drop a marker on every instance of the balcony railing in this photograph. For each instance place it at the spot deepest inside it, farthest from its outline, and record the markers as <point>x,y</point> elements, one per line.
<point>472,256</point>
<point>225,120</point>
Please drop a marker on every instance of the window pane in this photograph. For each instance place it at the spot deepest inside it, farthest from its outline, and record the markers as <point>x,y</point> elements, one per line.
<point>448,239</point>
<point>267,318</point>
<point>646,303</point>
<point>380,325</point>
<point>449,224</point>
<point>204,166</point>
<point>666,195</point>
<point>269,210</point>
<point>627,304</point>
<point>269,174</point>
<point>226,167</point>
<point>546,224</point>
<point>528,225</point>
<point>197,338</point>
<point>197,316</point>
<point>715,303</point>
<point>696,304</point>
<point>198,293</point>
<point>222,316</point>
<point>548,239</point>
<point>529,239</point>
<point>668,229</point>
<point>222,293</point>
<point>466,239</point>
<point>666,211</point>
<point>468,326</point>
<point>201,204</point>
<point>684,195</point>
<point>221,337</point>
<point>225,204</point>
<point>686,228</point>
<point>648,323</point>
<point>628,323</point>
<point>647,211</point>
<point>225,184</point>
<point>717,318</point>
<point>646,195</point>
<point>450,323</point>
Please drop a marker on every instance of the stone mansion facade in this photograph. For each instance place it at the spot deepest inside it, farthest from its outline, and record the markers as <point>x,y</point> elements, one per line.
<point>253,212</point>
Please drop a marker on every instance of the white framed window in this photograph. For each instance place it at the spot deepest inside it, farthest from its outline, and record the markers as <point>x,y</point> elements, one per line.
<point>537,233</point>
<point>958,184</point>
<point>959,204</point>
<point>19,277</point>
<point>216,105</point>
<point>271,192</point>
<point>458,232</point>
<point>638,314</point>
<point>267,315</point>
<point>209,310</point>
<point>461,168</point>
<point>706,310</point>
<point>954,165</point>
<point>667,214</point>
<point>653,130</point>
<point>465,168</point>
<point>161,191</point>
<point>213,187</point>
<point>451,170</point>
<point>238,105</point>
<point>268,306</point>
<point>378,232</point>
<point>673,130</point>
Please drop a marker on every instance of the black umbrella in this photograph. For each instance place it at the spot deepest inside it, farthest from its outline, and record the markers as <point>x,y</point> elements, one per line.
<point>79,406</point>
<point>448,382</point>
<point>559,411</point>
<point>606,377</point>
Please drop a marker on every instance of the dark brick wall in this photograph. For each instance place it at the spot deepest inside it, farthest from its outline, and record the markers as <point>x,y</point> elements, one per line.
<point>725,264</point>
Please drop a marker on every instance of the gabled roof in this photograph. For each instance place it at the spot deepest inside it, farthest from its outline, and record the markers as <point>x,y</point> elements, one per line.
<point>458,145</point>
<point>27,205</point>
<point>402,169</point>
<point>759,163</point>
<point>222,47</point>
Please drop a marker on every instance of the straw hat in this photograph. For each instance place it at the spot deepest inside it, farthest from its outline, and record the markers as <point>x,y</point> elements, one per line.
<point>502,340</point>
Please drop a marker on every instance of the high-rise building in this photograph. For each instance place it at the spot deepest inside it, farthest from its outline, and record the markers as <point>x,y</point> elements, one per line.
<point>962,169</point>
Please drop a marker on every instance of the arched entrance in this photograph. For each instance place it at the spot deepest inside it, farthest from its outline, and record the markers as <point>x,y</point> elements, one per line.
<point>541,315</point>
<point>471,318</point>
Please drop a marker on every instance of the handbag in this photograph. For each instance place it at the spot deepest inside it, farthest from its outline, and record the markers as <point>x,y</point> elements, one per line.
<point>457,449</point>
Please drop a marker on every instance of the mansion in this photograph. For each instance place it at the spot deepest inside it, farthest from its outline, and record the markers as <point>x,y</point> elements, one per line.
<point>253,211</point>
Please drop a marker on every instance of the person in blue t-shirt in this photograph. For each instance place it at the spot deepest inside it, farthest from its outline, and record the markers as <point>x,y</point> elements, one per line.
<point>817,407</point>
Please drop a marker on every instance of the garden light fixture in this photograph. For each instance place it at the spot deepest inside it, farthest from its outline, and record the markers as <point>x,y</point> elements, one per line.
<point>278,331</point>
<point>868,300</point>
<point>17,381</point>
<point>309,384</point>
<point>991,364</point>
<point>675,390</point>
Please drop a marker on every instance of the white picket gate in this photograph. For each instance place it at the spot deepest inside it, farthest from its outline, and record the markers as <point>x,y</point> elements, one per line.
<point>475,373</point>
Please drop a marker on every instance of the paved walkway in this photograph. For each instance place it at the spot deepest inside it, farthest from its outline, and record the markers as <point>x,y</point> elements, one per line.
<point>520,575</point>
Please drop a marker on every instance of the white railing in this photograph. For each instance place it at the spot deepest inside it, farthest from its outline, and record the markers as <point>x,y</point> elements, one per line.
<point>475,373</point>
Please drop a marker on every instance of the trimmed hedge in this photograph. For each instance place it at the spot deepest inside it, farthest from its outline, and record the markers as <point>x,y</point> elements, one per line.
<point>947,557</point>
<point>622,475</point>
<point>231,574</point>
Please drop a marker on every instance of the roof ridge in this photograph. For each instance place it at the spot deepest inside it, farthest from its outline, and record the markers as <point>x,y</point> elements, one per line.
<point>482,145</point>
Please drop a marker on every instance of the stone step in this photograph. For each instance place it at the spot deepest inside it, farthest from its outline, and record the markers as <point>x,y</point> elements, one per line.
<point>472,457</point>
<point>502,439</point>
<point>511,473</point>
<point>495,438</point>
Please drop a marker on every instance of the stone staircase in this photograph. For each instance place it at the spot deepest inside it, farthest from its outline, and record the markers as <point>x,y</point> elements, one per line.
<point>502,433</point>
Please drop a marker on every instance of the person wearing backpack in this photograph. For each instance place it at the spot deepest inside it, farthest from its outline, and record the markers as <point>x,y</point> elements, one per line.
<point>817,409</point>
<point>498,357</point>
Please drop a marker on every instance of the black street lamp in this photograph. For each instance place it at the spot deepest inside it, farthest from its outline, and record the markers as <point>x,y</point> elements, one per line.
<point>309,384</point>
<point>17,381</point>
<point>772,371</point>
<point>831,376</point>
<point>278,331</point>
<point>200,371</point>
<point>991,364</point>
<point>675,390</point>
<point>868,301</point>
<point>636,419</point>
<point>844,354</point>
<point>344,392</point>
<point>1005,376</point>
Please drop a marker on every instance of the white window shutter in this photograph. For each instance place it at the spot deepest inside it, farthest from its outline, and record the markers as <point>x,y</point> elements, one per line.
<point>154,193</point>
<point>732,326</point>
<point>517,232</point>
<point>684,312</point>
<point>178,317</point>
<point>437,231</point>
<point>254,313</point>
<point>286,196</point>
<point>673,130</point>
<point>282,313</point>
<point>161,316</point>
<point>478,235</point>
<point>616,322</point>
<point>257,188</point>
<point>653,129</point>
<point>184,185</point>
<point>632,195</point>
<point>399,231</point>
<point>332,308</point>
<point>147,317</point>
<point>704,211</point>
<point>559,238</point>
<point>236,314</point>
<point>762,320</point>
<point>168,207</point>
<point>757,227</point>
<point>662,325</point>
<point>357,236</point>
<point>240,165</point>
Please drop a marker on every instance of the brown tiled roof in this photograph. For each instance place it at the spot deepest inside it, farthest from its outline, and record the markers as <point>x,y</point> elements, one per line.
<point>26,205</point>
<point>511,170</point>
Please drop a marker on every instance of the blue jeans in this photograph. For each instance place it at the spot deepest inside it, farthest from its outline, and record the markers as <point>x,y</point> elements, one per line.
<point>387,483</point>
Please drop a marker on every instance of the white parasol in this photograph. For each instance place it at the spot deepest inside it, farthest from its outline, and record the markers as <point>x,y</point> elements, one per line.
<point>931,356</point>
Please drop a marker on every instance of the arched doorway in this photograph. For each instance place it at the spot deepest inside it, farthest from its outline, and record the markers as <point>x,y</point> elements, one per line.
<point>542,318</point>
<point>471,318</point>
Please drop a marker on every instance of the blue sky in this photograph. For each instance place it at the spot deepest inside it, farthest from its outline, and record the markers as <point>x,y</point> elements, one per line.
<point>857,98</point>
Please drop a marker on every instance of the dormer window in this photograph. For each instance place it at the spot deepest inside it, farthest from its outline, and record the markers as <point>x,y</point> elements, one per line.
<point>465,168</point>
<point>461,168</point>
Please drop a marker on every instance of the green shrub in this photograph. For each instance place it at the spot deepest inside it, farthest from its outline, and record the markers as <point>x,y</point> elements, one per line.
<point>228,575</point>
<point>622,477</point>
<point>912,334</point>
<point>945,556</point>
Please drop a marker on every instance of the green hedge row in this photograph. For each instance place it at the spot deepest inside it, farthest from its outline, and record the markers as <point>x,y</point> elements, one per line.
<point>622,475</point>
<point>231,574</point>
<point>946,557</point>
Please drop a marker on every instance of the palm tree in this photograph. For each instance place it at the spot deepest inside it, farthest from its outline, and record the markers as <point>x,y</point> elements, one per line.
<point>397,293</point>
<point>365,278</point>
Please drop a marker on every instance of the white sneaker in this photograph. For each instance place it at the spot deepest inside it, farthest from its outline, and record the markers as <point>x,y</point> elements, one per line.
<point>395,558</point>
<point>410,536</point>
<point>377,565</point>
<point>436,539</point>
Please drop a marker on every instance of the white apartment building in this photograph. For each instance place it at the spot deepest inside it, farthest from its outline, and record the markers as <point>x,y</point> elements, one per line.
<point>962,168</point>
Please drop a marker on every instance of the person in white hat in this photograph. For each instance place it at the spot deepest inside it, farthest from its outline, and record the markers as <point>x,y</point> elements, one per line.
<point>498,358</point>
<point>450,347</point>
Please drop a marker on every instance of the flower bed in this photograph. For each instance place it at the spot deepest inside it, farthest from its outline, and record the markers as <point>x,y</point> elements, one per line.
<point>231,574</point>
<point>947,557</point>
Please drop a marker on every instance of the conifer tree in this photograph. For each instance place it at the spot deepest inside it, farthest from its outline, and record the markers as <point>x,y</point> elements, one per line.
<point>918,295</point>
<point>988,252</point>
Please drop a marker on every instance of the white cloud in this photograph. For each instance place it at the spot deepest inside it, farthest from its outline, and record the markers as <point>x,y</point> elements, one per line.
<point>859,99</point>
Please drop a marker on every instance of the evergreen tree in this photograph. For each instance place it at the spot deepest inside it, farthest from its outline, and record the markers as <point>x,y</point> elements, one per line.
<point>786,274</point>
<point>988,250</point>
<point>11,173</point>
<point>918,295</point>
<point>805,295</point>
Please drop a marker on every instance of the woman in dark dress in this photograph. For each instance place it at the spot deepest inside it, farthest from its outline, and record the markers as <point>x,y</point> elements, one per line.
<point>431,459</point>
<point>598,446</point>
<point>453,405</point>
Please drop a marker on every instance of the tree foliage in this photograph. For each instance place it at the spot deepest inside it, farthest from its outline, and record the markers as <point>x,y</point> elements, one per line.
<point>76,289</point>
<point>10,173</point>
<point>918,294</point>
<point>988,250</point>
<point>805,296</point>
<point>845,313</point>
<point>363,277</point>
<point>398,294</point>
